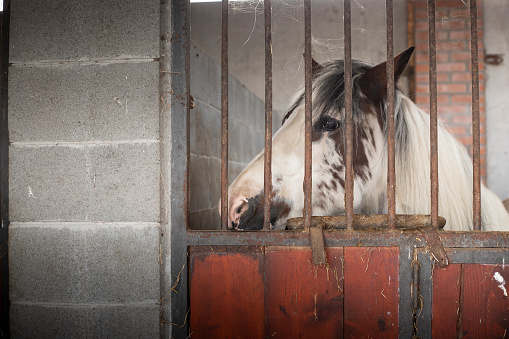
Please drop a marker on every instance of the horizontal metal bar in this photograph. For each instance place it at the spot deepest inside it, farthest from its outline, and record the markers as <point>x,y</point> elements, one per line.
<point>377,237</point>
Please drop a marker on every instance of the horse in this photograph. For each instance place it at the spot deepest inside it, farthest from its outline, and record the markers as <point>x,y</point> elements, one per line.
<point>412,158</point>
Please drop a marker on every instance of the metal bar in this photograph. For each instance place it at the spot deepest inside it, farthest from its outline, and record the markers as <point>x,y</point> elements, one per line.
<point>422,326</point>
<point>348,115</point>
<point>433,112</point>
<point>4,170</point>
<point>308,114</point>
<point>391,171</point>
<point>406,319</point>
<point>174,150</point>
<point>476,130</point>
<point>224,116</point>
<point>367,238</point>
<point>411,42</point>
<point>267,176</point>
<point>365,221</point>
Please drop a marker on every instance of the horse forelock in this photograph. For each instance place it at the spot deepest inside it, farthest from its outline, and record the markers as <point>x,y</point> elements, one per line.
<point>329,99</point>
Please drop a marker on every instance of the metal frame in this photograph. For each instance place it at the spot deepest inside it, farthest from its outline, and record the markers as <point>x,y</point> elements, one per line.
<point>175,84</point>
<point>4,172</point>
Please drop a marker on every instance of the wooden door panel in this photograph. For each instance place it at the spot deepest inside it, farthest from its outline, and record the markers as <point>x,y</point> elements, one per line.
<point>301,298</point>
<point>485,308</point>
<point>468,299</point>
<point>227,292</point>
<point>276,292</point>
<point>371,292</point>
<point>446,297</point>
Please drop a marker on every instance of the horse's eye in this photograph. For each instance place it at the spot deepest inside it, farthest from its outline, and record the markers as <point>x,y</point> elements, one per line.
<point>329,124</point>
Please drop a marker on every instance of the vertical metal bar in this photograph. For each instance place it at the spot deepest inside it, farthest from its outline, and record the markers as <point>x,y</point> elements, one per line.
<point>410,37</point>
<point>4,169</point>
<point>476,129</point>
<point>267,176</point>
<point>224,116</point>
<point>348,115</point>
<point>391,172</point>
<point>174,150</point>
<point>433,113</point>
<point>308,113</point>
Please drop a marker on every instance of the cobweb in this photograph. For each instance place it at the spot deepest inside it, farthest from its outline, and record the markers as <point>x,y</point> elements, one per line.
<point>247,46</point>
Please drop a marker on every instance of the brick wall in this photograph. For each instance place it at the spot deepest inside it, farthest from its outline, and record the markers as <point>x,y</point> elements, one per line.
<point>454,79</point>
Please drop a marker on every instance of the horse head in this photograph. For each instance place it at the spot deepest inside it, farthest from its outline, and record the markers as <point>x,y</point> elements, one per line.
<point>369,92</point>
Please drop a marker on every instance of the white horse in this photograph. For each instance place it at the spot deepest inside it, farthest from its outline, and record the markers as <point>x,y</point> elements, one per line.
<point>412,136</point>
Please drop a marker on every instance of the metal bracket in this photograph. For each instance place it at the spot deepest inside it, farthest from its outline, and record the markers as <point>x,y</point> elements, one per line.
<point>493,59</point>
<point>317,245</point>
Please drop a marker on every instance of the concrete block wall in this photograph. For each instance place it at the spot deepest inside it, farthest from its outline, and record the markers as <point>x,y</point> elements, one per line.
<point>84,169</point>
<point>245,133</point>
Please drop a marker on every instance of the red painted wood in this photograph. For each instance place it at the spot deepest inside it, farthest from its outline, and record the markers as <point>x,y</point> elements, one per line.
<point>485,308</point>
<point>446,296</point>
<point>303,300</point>
<point>227,293</point>
<point>371,292</point>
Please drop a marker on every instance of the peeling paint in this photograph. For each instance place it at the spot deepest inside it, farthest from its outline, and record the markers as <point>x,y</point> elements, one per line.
<point>498,277</point>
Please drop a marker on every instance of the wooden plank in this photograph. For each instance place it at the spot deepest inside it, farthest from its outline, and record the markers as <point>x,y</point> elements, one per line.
<point>303,300</point>
<point>226,292</point>
<point>371,292</point>
<point>445,304</point>
<point>485,306</point>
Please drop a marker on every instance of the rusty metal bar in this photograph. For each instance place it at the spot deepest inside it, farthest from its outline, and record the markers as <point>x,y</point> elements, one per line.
<point>476,129</point>
<point>348,115</point>
<point>366,221</point>
<point>433,112</point>
<point>366,238</point>
<point>224,116</point>
<point>410,37</point>
<point>267,175</point>
<point>391,171</point>
<point>308,113</point>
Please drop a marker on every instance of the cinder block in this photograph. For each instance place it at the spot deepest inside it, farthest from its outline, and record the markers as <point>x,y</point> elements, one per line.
<point>199,181</point>
<point>84,263</point>
<point>201,87</point>
<point>205,130</point>
<point>84,103</point>
<point>72,321</point>
<point>82,30</point>
<point>215,181</point>
<point>85,183</point>
<point>205,77</point>
<point>206,220</point>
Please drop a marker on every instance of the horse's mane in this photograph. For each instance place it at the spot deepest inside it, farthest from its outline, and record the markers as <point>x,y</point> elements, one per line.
<point>455,197</point>
<point>412,156</point>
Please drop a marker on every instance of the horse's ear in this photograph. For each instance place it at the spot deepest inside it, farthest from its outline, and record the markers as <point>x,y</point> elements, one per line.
<point>373,83</point>
<point>315,67</point>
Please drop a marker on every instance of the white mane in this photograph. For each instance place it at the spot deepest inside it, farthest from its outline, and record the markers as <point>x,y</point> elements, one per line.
<point>455,196</point>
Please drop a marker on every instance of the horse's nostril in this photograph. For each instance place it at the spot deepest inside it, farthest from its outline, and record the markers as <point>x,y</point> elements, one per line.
<point>239,209</point>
